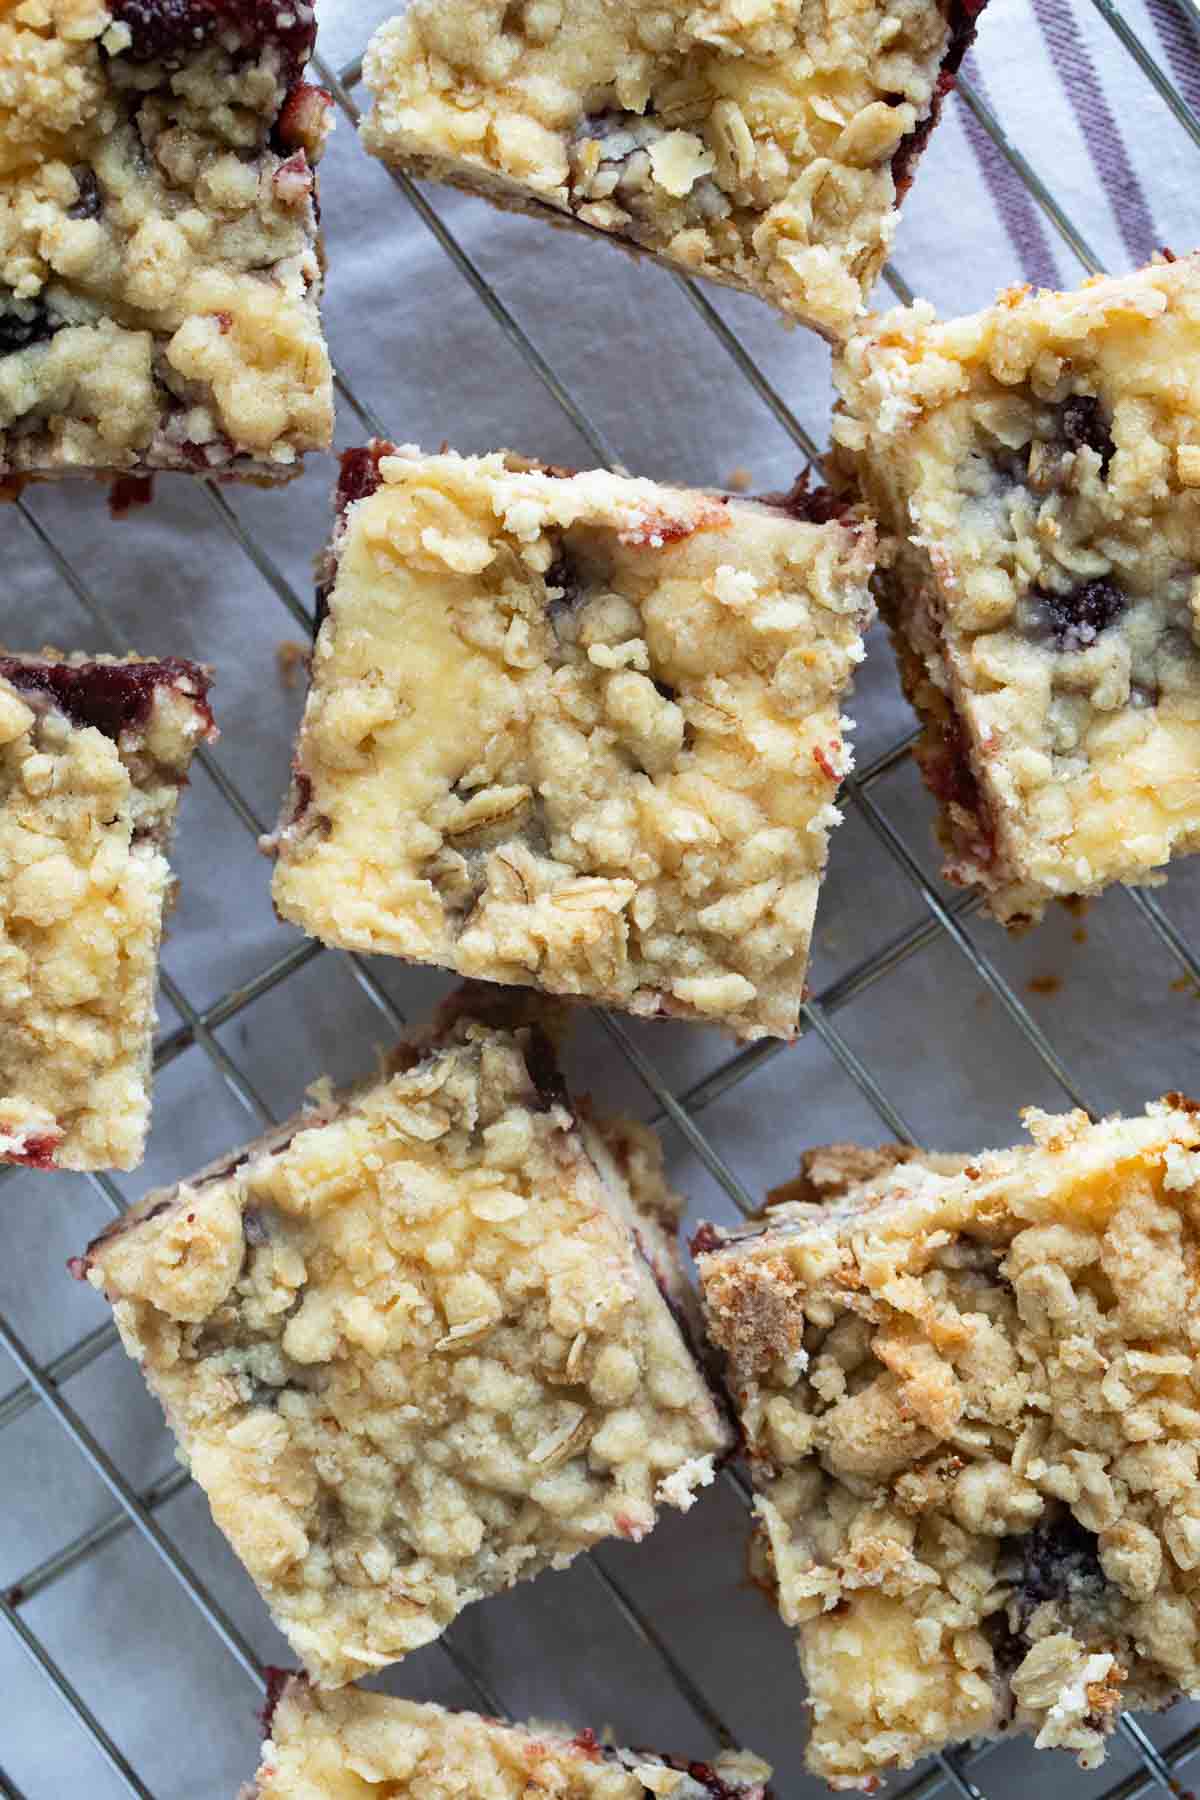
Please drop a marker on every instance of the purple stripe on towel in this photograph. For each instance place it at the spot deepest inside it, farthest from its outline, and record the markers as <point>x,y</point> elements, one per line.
<point>1105,145</point>
<point>1010,196</point>
<point>1183,51</point>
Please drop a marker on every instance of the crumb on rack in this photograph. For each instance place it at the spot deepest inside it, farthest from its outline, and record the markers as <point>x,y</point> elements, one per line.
<point>292,660</point>
<point>739,479</point>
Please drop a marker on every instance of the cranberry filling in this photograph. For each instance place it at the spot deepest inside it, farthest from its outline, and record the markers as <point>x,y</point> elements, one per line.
<point>170,31</point>
<point>276,1680</point>
<point>963,19</point>
<point>946,767</point>
<point>1058,1561</point>
<point>128,491</point>
<point>544,1072</point>
<point>587,1744</point>
<point>815,506</point>
<point>359,474</point>
<point>23,324</point>
<point>563,573</point>
<point>1084,423</point>
<point>109,696</point>
<point>1076,619</point>
<point>90,203</point>
<point>38,1152</point>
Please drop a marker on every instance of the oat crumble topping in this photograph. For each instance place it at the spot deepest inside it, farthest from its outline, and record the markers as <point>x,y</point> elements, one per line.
<point>1038,468</point>
<point>971,1396</point>
<point>414,1346</point>
<point>159,263</point>
<point>576,731</point>
<point>318,1741</point>
<point>763,146</point>
<point>93,752</point>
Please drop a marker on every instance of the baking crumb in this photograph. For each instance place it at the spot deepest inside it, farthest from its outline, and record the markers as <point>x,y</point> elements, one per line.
<point>1045,984</point>
<point>1183,984</point>
<point>739,480</point>
<point>292,658</point>
<point>128,491</point>
<point>1079,935</point>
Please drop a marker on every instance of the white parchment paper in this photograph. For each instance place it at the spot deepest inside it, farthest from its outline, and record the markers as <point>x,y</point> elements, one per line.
<point>415,344</point>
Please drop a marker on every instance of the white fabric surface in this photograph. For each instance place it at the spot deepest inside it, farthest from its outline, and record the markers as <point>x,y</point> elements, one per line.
<point>417,346</point>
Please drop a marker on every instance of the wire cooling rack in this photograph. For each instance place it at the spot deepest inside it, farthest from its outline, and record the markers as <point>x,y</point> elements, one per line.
<point>615,1601</point>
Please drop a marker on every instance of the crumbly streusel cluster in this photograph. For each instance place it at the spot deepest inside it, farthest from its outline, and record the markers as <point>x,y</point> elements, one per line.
<point>401,1748</point>
<point>159,271</point>
<point>92,756</point>
<point>411,1348</point>
<point>971,1394</point>
<point>764,146</point>
<point>579,731</point>
<point>1039,467</point>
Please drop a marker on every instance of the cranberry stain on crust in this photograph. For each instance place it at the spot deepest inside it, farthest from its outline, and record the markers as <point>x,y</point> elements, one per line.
<point>112,697</point>
<point>170,31</point>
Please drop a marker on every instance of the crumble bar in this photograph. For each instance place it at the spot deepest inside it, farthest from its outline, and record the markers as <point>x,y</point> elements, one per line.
<point>93,754</point>
<point>159,260</point>
<point>1039,467</point>
<point>419,1344</point>
<point>317,1742</point>
<point>971,1397</point>
<point>766,147</point>
<point>575,731</point>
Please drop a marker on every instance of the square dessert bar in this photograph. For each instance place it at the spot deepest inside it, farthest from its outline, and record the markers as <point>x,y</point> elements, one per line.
<point>970,1390</point>
<point>318,1742</point>
<point>1039,467</point>
<point>420,1343</point>
<point>93,754</point>
<point>575,731</point>
<point>159,258</point>
<point>765,146</point>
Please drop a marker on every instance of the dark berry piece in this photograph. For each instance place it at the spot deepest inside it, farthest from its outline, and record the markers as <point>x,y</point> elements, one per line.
<point>165,30</point>
<point>1060,1561</point>
<point>1076,619</point>
<point>359,474</point>
<point>276,1680</point>
<point>90,203</point>
<point>1084,423</point>
<point>544,1072</point>
<point>563,574</point>
<point>817,506</point>
<point>23,322</point>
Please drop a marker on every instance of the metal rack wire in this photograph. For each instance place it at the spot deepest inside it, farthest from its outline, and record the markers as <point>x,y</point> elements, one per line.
<point>42,1384</point>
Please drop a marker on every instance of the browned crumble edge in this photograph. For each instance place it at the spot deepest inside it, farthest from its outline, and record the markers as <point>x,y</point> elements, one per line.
<point>550,1758</point>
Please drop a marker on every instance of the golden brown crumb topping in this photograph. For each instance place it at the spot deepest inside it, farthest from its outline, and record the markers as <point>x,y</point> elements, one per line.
<point>972,1399</point>
<point>412,1350</point>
